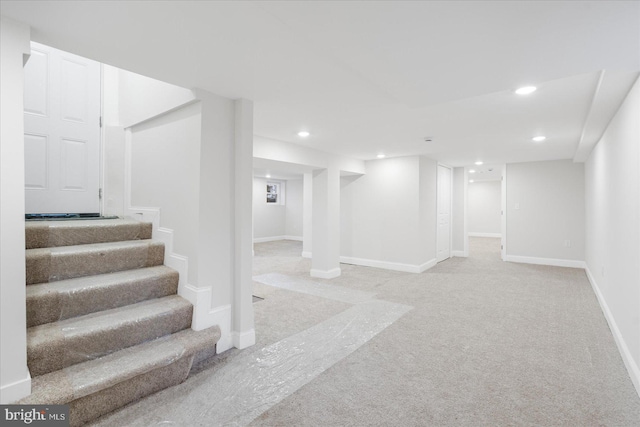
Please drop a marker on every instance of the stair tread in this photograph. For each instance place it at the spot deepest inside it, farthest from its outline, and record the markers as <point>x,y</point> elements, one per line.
<point>98,374</point>
<point>92,247</point>
<point>107,319</point>
<point>97,281</point>
<point>42,234</point>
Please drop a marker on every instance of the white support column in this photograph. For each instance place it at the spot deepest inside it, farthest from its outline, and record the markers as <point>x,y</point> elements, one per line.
<point>216,231</point>
<point>15,381</point>
<point>325,262</point>
<point>307,214</point>
<point>243,333</point>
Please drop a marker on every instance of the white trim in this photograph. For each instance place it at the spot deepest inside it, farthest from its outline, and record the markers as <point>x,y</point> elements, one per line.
<point>15,391</point>
<point>276,238</point>
<point>387,265</point>
<point>572,263</point>
<point>462,254</point>
<point>306,254</point>
<point>244,339</point>
<point>474,234</point>
<point>629,362</point>
<point>330,274</point>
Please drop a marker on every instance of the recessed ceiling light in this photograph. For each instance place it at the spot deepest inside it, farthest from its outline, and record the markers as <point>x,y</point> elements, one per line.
<point>303,134</point>
<point>539,138</point>
<point>381,156</point>
<point>526,90</point>
<point>471,180</point>
<point>268,176</point>
<point>479,163</point>
<point>472,171</point>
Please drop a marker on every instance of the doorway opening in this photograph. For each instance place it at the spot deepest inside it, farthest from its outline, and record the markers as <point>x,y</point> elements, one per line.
<point>485,202</point>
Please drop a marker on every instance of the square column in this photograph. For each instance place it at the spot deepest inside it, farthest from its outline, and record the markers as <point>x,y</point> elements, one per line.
<point>325,261</point>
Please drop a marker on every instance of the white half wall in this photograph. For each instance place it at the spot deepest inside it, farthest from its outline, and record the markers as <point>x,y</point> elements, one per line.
<point>613,228</point>
<point>545,211</point>
<point>15,381</point>
<point>484,200</point>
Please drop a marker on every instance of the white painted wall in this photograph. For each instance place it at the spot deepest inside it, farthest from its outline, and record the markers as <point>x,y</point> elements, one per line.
<point>459,211</point>
<point>545,208</point>
<point>613,228</point>
<point>269,219</point>
<point>294,206</point>
<point>15,381</point>
<point>388,215</point>
<point>165,172</point>
<point>484,207</point>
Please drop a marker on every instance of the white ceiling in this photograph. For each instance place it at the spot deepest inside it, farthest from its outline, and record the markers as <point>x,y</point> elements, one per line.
<point>371,77</point>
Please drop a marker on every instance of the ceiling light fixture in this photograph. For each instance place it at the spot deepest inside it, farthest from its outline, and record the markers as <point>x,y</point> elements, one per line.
<point>539,138</point>
<point>268,176</point>
<point>479,163</point>
<point>471,181</point>
<point>526,90</point>
<point>303,134</point>
<point>472,171</point>
<point>381,156</point>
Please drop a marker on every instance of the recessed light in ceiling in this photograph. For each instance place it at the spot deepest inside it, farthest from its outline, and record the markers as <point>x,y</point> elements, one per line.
<point>526,90</point>
<point>479,163</point>
<point>381,156</point>
<point>472,171</point>
<point>268,176</point>
<point>471,180</point>
<point>538,138</point>
<point>303,134</point>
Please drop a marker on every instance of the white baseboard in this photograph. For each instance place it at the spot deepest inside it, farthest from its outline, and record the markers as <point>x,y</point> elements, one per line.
<point>546,261</point>
<point>243,339</point>
<point>459,254</point>
<point>276,238</point>
<point>629,362</point>
<point>330,274</point>
<point>15,391</point>
<point>473,234</point>
<point>306,254</point>
<point>387,265</point>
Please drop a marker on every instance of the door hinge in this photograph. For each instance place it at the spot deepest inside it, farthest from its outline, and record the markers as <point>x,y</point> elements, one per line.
<point>100,193</point>
<point>100,120</point>
<point>501,247</point>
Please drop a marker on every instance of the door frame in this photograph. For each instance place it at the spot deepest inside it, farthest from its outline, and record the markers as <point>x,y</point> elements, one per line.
<point>503,216</point>
<point>450,208</point>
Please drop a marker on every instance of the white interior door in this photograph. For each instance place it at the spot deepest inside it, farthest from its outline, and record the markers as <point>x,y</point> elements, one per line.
<point>444,213</point>
<point>62,132</point>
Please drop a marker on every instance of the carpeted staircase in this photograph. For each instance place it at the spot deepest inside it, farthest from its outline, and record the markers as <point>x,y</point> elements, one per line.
<point>105,326</point>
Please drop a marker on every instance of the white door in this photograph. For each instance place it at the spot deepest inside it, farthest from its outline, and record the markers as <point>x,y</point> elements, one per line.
<point>62,132</point>
<point>444,213</point>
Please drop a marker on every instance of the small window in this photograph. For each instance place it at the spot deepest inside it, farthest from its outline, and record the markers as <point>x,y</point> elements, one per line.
<point>275,193</point>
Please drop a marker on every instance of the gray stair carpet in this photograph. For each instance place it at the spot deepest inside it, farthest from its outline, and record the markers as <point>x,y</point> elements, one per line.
<point>105,324</point>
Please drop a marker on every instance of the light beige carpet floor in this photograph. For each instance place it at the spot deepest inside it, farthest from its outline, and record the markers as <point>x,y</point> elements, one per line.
<point>486,343</point>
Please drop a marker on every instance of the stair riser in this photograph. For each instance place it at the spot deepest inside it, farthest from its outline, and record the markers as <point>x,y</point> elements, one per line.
<point>54,306</point>
<point>88,408</point>
<point>66,348</point>
<point>47,235</point>
<point>46,265</point>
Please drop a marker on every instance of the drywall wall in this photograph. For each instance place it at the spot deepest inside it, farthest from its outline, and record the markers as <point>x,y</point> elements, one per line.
<point>269,219</point>
<point>613,228</point>
<point>381,214</point>
<point>293,206</point>
<point>545,212</point>
<point>484,200</point>
<point>165,170</point>
<point>14,376</point>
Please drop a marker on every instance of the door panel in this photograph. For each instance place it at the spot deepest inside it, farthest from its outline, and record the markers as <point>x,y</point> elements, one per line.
<point>444,213</point>
<point>62,132</point>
